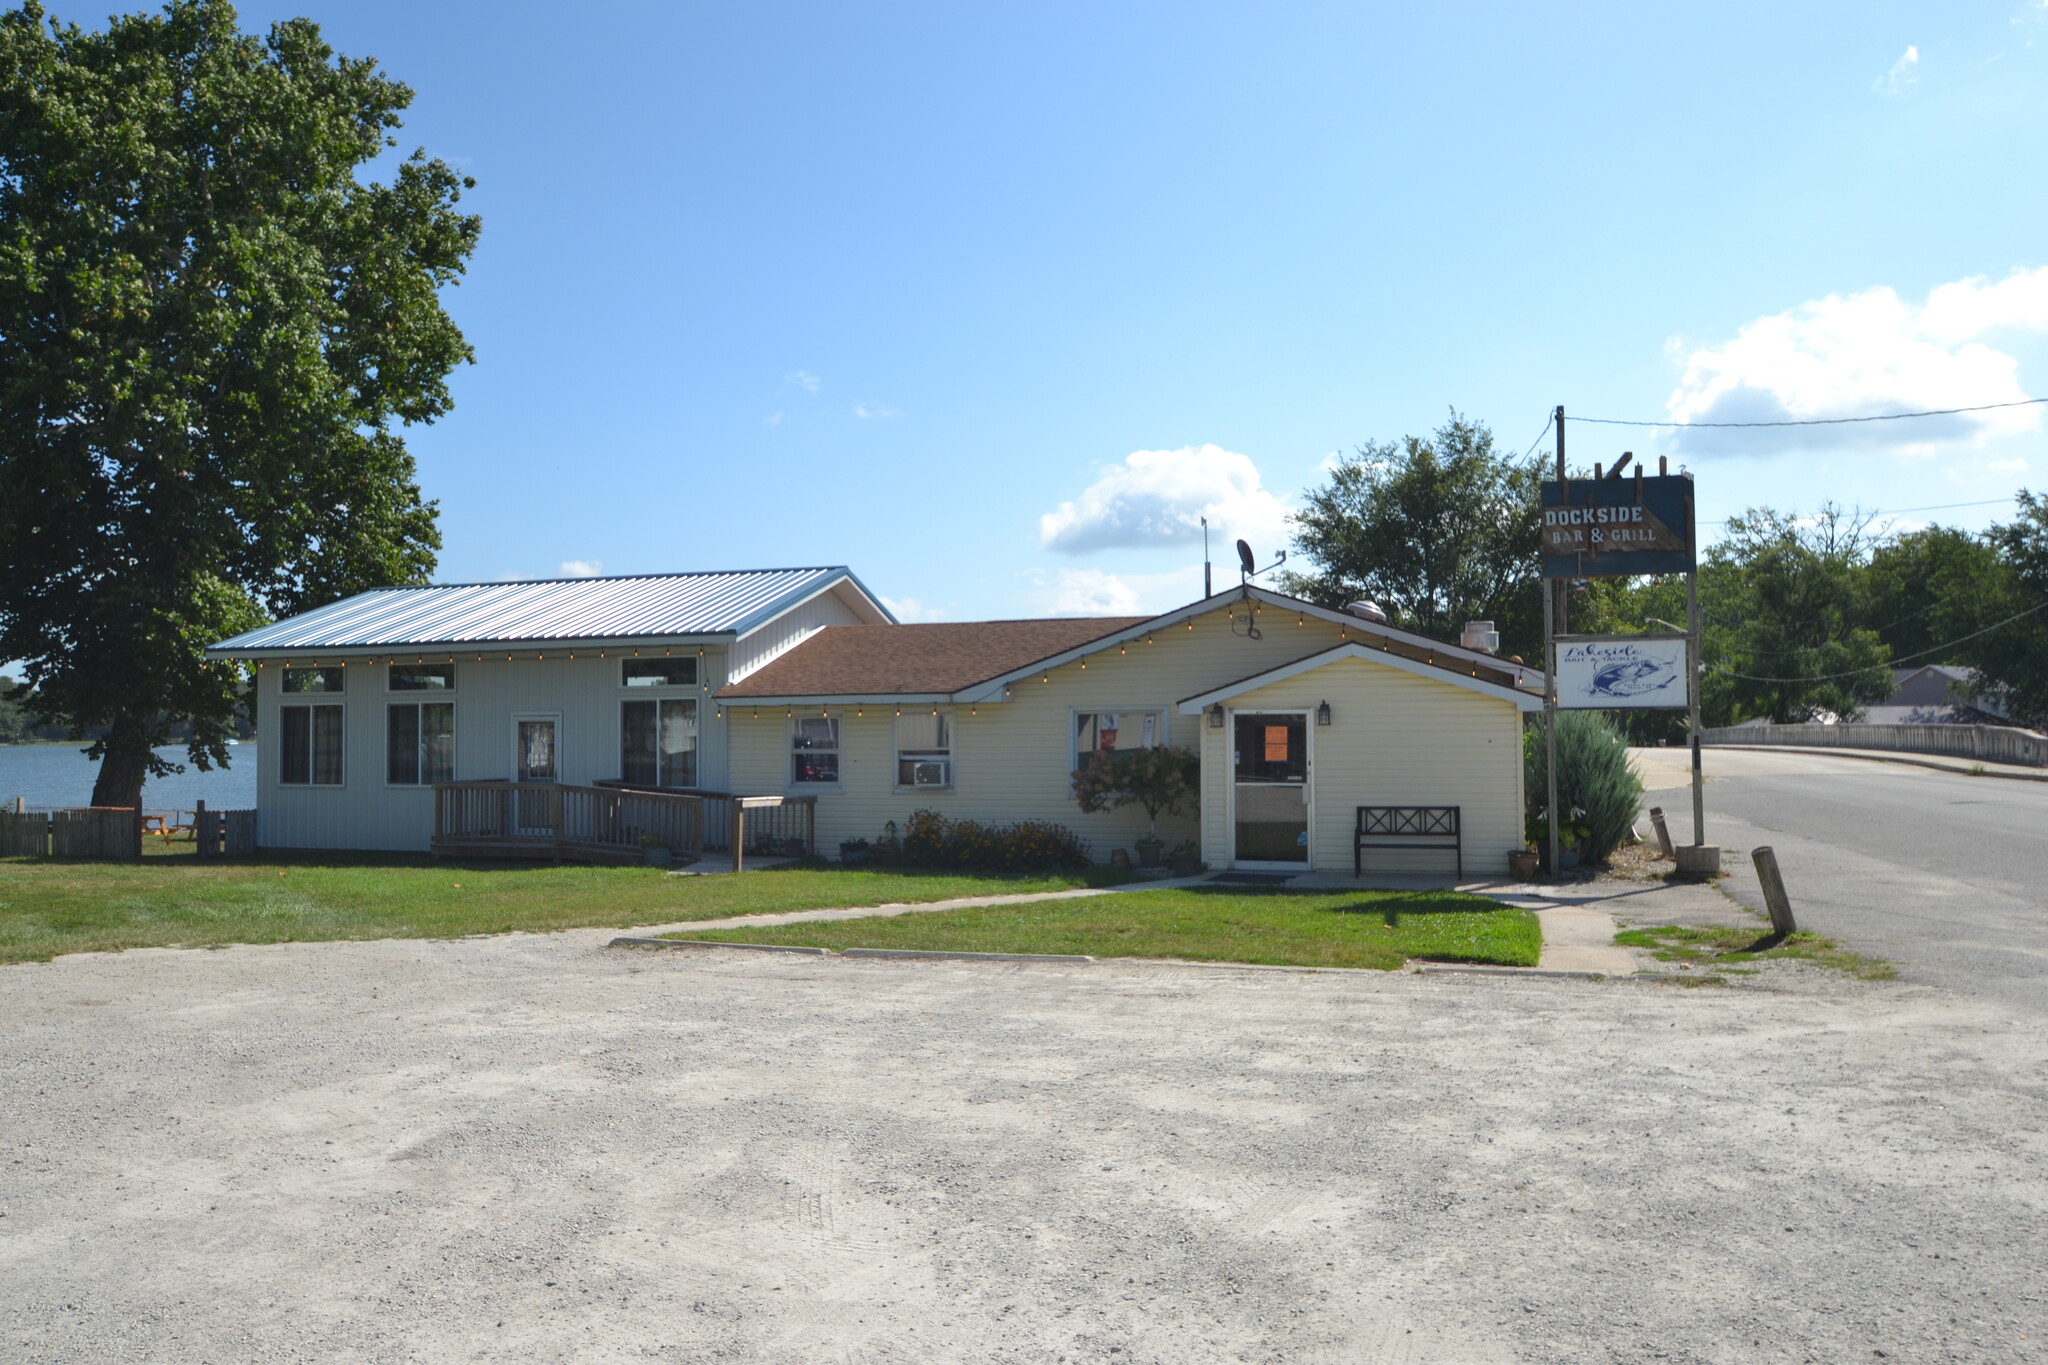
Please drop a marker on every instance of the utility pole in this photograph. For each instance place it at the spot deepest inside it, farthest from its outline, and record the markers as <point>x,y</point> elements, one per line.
<point>1693,657</point>
<point>1550,628</point>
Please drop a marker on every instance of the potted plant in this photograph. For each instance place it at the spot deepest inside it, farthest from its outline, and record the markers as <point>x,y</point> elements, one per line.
<point>1523,862</point>
<point>853,852</point>
<point>1186,858</point>
<point>1162,780</point>
<point>657,853</point>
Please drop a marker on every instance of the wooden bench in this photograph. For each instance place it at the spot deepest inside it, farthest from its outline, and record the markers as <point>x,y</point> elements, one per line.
<point>1436,827</point>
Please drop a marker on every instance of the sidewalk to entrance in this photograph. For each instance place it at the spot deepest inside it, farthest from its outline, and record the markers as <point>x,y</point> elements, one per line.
<point>1579,919</point>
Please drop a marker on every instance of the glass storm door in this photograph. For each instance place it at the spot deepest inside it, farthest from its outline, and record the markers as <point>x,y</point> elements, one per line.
<point>534,757</point>
<point>1270,776</point>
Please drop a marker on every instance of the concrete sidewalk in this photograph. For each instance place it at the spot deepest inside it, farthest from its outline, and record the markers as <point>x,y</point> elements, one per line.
<point>1579,919</point>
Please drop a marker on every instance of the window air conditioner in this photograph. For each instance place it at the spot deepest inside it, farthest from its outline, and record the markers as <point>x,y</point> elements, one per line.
<point>932,772</point>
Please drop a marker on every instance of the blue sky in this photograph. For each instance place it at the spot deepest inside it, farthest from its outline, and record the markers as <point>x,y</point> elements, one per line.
<point>992,304</point>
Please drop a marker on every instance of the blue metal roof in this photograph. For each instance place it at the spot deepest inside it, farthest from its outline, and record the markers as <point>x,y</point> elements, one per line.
<point>651,605</point>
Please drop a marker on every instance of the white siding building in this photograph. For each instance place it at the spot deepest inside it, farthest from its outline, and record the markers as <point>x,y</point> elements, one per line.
<point>798,683</point>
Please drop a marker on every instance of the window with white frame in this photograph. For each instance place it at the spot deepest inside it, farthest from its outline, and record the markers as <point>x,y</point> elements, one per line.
<point>419,743</point>
<point>658,743</point>
<point>420,678</point>
<point>680,672</point>
<point>299,680</point>
<point>1107,732</point>
<point>814,750</point>
<point>309,745</point>
<point>924,749</point>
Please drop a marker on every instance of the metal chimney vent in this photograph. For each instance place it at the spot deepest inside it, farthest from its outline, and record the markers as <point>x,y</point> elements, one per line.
<point>1481,635</point>
<point>1369,611</point>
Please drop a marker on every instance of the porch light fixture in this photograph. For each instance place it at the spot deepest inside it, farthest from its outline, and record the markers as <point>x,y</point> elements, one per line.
<point>1322,713</point>
<point>1216,716</point>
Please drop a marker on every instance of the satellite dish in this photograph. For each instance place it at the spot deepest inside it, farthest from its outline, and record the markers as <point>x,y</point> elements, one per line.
<point>1244,556</point>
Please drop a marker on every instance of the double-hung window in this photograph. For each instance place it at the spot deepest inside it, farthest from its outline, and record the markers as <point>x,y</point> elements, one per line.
<point>309,733</point>
<point>924,750</point>
<point>814,751</point>
<point>658,742</point>
<point>1109,732</point>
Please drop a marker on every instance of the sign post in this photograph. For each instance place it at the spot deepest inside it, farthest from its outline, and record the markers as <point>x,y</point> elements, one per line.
<point>1611,527</point>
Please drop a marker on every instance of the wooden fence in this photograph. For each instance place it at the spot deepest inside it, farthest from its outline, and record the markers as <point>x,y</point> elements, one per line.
<point>106,833</point>
<point>113,833</point>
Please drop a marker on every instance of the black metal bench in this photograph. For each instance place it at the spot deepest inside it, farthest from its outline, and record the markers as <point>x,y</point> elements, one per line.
<point>1407,827</point>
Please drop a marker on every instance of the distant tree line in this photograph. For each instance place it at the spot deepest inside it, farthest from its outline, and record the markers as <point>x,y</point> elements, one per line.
<point>1805,616</point>
<point>22,723</point>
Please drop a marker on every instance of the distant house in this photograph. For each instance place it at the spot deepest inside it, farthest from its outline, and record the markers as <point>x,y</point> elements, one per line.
<point>799,683</point>
<point>1936,694</point>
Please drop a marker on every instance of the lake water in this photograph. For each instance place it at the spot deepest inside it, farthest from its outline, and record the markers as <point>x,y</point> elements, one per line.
<point>55,775</point>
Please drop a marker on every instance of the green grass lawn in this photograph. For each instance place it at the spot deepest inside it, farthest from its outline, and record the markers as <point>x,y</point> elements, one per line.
<point>1380,929</point>
<point>48,907</point>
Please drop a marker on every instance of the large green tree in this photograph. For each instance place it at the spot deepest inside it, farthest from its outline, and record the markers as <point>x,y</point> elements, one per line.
<point>212,324</point>
<point>1437,530</point>
<point>2013,653</point>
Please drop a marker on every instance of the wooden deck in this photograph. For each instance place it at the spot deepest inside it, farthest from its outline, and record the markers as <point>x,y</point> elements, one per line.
<point>612,823</point>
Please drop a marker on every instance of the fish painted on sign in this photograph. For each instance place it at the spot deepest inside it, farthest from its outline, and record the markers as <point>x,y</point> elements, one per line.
<point>1636,678</point>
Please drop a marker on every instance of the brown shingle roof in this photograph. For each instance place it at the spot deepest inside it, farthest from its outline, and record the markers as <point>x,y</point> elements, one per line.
<point>880,661</point>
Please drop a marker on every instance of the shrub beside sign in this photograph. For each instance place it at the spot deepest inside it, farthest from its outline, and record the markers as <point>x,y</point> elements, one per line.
<point>1602,528</point>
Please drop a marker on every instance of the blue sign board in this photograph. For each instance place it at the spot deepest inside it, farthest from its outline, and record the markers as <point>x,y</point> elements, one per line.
<point>1605,528</point>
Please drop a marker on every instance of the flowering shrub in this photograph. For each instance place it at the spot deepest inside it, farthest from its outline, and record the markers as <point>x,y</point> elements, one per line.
<point>929,839</point>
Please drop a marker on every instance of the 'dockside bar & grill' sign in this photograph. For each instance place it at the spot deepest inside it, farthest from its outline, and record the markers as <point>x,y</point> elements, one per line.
<point>1621,672</point>
<point>1602,528</point>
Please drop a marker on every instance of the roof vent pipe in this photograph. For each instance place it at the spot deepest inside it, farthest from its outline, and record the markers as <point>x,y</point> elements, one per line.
<point>1369,611</point>
<point>1481,635</point>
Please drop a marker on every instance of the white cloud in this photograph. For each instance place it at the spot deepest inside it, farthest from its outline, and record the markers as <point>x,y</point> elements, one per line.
<point>1159,497</point>
<point>1904,72</point>
<point>803,379</point>
<point>909,610</point>
<point>1862,355</point>
<point>773,419</point>
<point>582,568</point>
<point>863,410</point>
<point>1097,592</point>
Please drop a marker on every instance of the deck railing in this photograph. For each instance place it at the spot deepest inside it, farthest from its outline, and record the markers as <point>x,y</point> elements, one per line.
<point>613,822</point>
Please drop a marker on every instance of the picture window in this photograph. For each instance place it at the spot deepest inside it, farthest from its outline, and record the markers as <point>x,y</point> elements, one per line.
<point>1107,732</point>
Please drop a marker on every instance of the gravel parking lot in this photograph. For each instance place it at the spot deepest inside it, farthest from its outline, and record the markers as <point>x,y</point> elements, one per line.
<point>542,1149</point>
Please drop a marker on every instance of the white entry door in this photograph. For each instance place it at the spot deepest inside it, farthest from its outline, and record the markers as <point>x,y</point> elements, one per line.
<point>1271,797</point>
<point>536,761</point>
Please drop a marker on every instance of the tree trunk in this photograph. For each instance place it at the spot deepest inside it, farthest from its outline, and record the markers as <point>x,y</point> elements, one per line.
<point>125,764</point>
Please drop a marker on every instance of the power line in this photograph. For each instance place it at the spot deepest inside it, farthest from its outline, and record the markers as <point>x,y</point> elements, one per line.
<point>1817,421</point>
<point>1860,672</point>
<point>1901,511</point>
<point>1548,423</point>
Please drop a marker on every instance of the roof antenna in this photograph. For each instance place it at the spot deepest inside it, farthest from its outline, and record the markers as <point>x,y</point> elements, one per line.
<point>1248,570</point>
<point>1207,590</point>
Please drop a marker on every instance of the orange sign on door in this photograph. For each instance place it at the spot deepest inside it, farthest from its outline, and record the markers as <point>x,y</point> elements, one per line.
<point>1276,744</point>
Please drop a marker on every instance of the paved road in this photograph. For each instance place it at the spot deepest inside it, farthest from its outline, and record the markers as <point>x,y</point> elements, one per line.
<point>1945,874</point>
